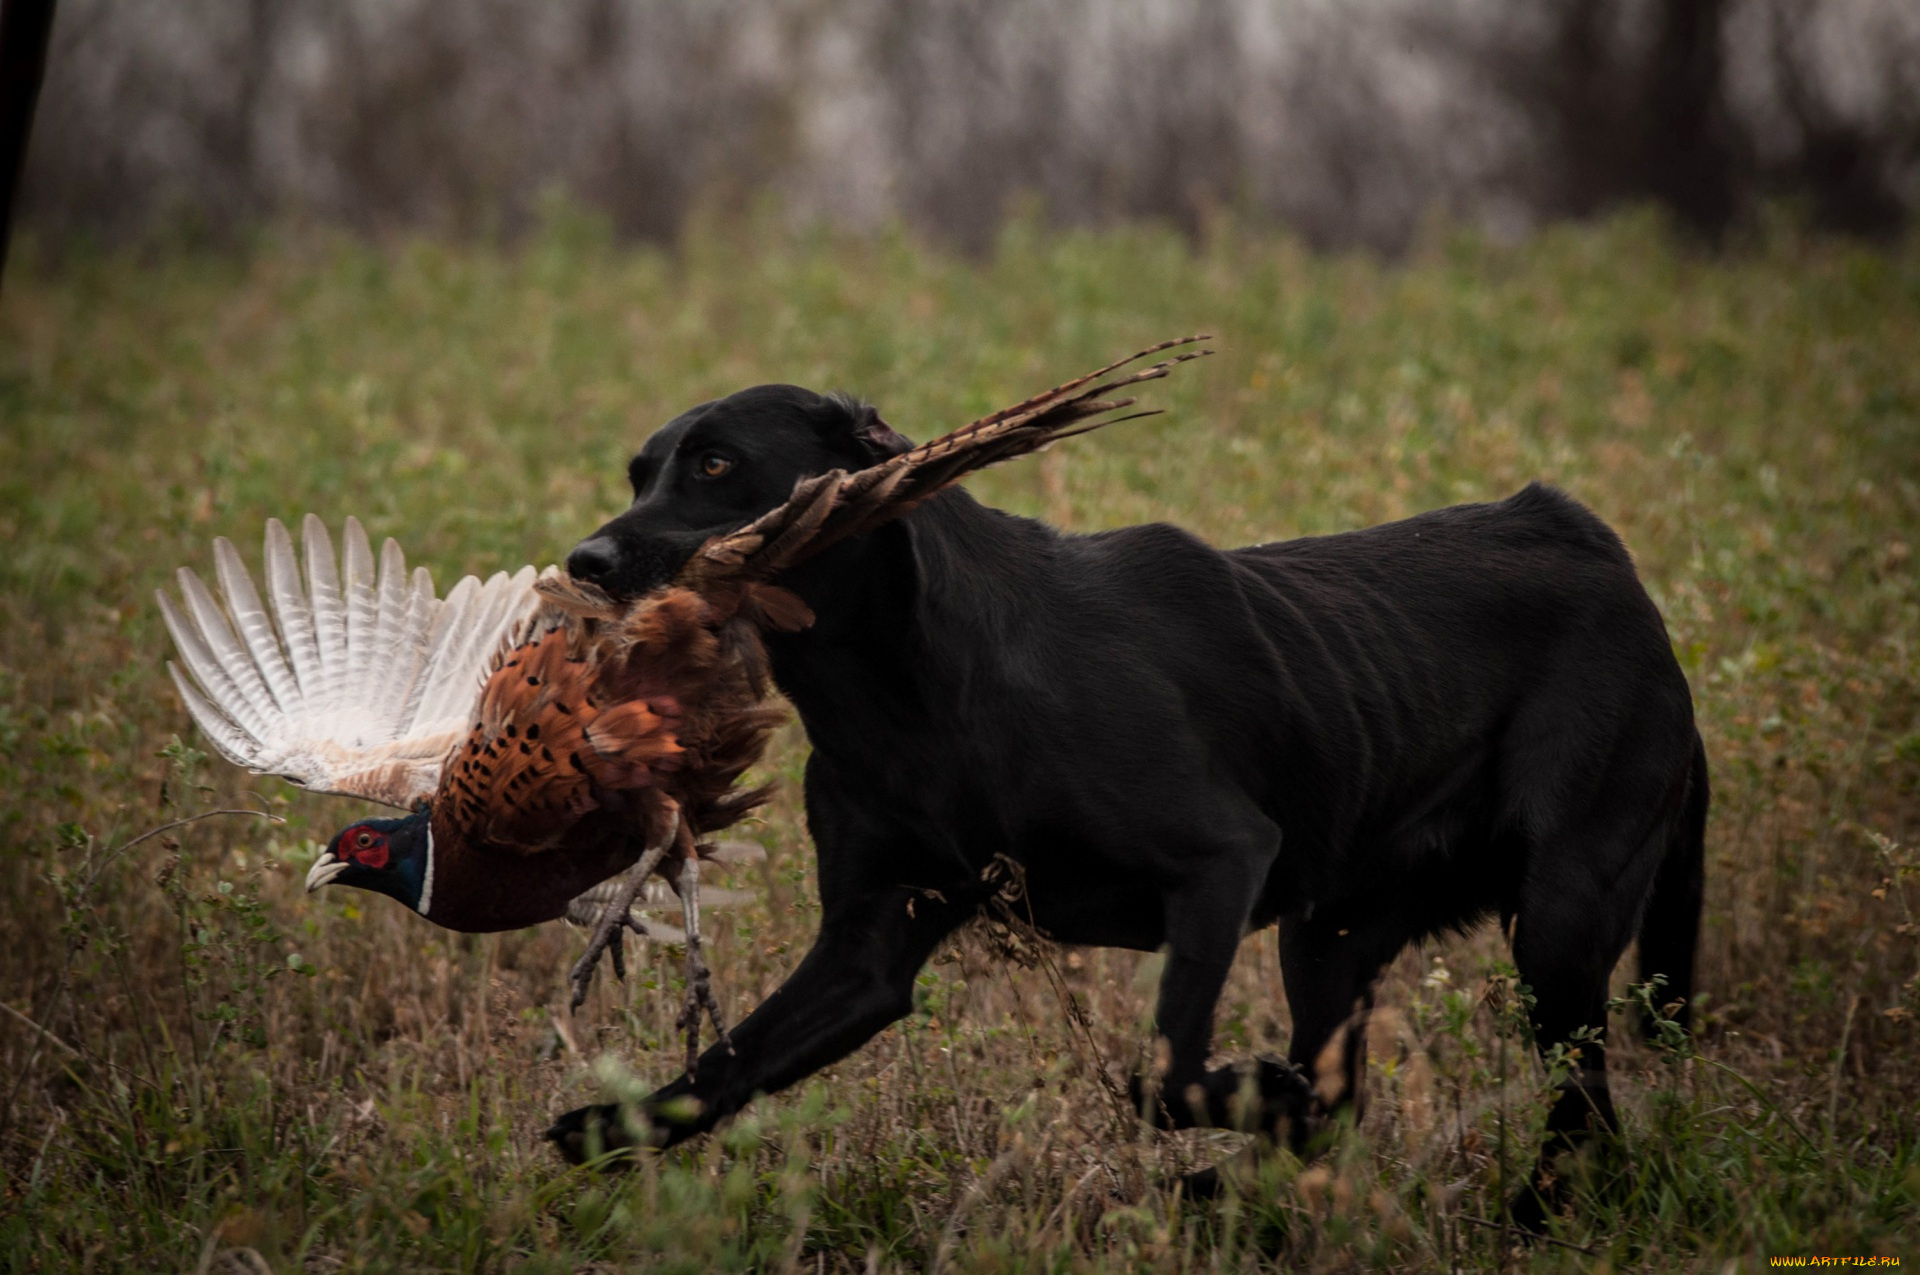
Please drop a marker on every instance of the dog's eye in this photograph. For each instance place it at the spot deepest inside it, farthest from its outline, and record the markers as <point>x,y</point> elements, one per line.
<point>714,465</point>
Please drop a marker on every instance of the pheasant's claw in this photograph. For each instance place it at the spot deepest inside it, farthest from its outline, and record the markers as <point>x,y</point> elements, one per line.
<point>617,952</point>
<point>719,1024</point>
<point>608,931</point>
<point>605,938</point>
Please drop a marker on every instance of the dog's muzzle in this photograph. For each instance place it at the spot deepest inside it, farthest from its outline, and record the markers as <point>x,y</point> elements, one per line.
<point>594,560</point>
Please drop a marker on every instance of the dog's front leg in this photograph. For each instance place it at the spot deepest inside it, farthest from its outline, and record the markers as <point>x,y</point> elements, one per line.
<point>857,978</point>
<point>1203,933</point>
<point>1204,922</point>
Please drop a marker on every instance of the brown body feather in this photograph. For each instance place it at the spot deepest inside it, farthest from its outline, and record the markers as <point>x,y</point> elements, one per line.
<point>592,735</point>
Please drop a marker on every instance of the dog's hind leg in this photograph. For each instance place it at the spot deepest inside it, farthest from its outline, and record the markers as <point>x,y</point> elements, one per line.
<point>1578,908</point>
<point>1670,926</point>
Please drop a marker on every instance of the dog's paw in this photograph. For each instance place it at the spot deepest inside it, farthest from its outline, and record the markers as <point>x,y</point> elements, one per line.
<point>1532,1205</point>
<point>1144,1095</point>
<point>589,1133</point>
<point>1202,1184</point>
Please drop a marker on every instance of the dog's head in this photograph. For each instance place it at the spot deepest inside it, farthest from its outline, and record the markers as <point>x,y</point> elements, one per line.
<point>717,467</point>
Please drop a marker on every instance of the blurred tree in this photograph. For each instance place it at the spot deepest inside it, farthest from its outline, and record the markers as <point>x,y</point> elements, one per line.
<point>1352,122</point>
<point>25,26</point>
<point>1686,151</point>
<point>1845,164</point>
<point>1631,103</point>
<point>1633,99</point>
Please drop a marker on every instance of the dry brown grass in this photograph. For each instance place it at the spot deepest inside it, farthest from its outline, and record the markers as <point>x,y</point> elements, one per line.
<point>339,1085</point>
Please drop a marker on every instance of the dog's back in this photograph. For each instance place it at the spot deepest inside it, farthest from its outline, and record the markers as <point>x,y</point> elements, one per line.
<point>1466,677</point>
<point>1396,700</point>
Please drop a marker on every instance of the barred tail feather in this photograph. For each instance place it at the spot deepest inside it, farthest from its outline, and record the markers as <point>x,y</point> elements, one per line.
<point>828,508</point>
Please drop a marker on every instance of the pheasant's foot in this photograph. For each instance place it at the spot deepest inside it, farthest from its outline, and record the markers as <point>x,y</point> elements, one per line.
<point>689,1019</point>
<point>700,1002</point>
<point>617,952</point>
<point>609,930</point>
<point>700,998</point>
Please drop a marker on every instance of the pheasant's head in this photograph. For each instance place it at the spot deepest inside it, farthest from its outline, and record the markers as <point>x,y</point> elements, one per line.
<point>391,856</point>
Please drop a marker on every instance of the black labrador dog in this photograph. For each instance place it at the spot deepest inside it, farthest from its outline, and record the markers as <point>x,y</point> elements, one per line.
<point>1368,738</point>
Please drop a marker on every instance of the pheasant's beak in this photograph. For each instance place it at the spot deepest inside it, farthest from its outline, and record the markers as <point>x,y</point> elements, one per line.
<point>324,870</point>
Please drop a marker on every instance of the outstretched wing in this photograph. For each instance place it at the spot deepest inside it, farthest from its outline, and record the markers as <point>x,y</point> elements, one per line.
<point>832,507</point>
<point>348,680</point>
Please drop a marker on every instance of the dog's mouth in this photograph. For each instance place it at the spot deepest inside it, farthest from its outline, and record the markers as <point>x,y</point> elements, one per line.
<point>627,570</point>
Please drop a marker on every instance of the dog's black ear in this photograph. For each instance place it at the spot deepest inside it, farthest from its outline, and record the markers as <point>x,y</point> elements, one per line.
<point>860,423</point>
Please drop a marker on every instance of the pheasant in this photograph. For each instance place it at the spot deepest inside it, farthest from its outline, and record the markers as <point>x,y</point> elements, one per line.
<point>360,682</point>
<point>544,737</point>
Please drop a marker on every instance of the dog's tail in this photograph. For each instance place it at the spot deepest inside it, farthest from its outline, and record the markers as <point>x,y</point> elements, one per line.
<point>1670,926</point>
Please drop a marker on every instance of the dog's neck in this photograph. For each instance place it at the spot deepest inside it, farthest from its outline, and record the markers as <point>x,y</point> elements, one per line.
<point>875,658</point>
<point>854,661</point>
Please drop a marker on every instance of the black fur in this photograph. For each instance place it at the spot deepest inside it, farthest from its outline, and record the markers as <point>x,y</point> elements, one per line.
<point>1367,738</point>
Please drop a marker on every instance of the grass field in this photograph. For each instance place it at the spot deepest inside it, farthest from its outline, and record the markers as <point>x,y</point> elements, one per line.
<point>195,1054</point>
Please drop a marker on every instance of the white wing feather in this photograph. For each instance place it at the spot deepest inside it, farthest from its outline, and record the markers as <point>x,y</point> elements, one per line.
<point>255,625</point>
<point>291,611</point>
<point>361,682</point>
<point>390,634</point>
<point>329,624</point>
<point>363,618</point>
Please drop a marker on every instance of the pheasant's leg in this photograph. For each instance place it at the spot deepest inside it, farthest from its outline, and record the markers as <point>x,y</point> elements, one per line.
<point>615,918</point>
<point>707,997</point>
<point>617,953</point>
<point>609,930</point>
<point>699,979</point>
<point>688,884</point>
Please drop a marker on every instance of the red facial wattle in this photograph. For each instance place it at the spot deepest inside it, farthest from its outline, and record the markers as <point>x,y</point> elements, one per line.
<point>365,847</point>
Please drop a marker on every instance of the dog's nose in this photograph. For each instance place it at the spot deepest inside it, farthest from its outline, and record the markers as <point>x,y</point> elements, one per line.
<point>593,560</point>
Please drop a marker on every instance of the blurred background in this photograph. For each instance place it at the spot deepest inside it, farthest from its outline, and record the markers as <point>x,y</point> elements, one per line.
<point>1350,121</point>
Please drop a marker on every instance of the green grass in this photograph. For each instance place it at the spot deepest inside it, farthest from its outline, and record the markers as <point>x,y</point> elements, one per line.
<point>343,1087</point>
